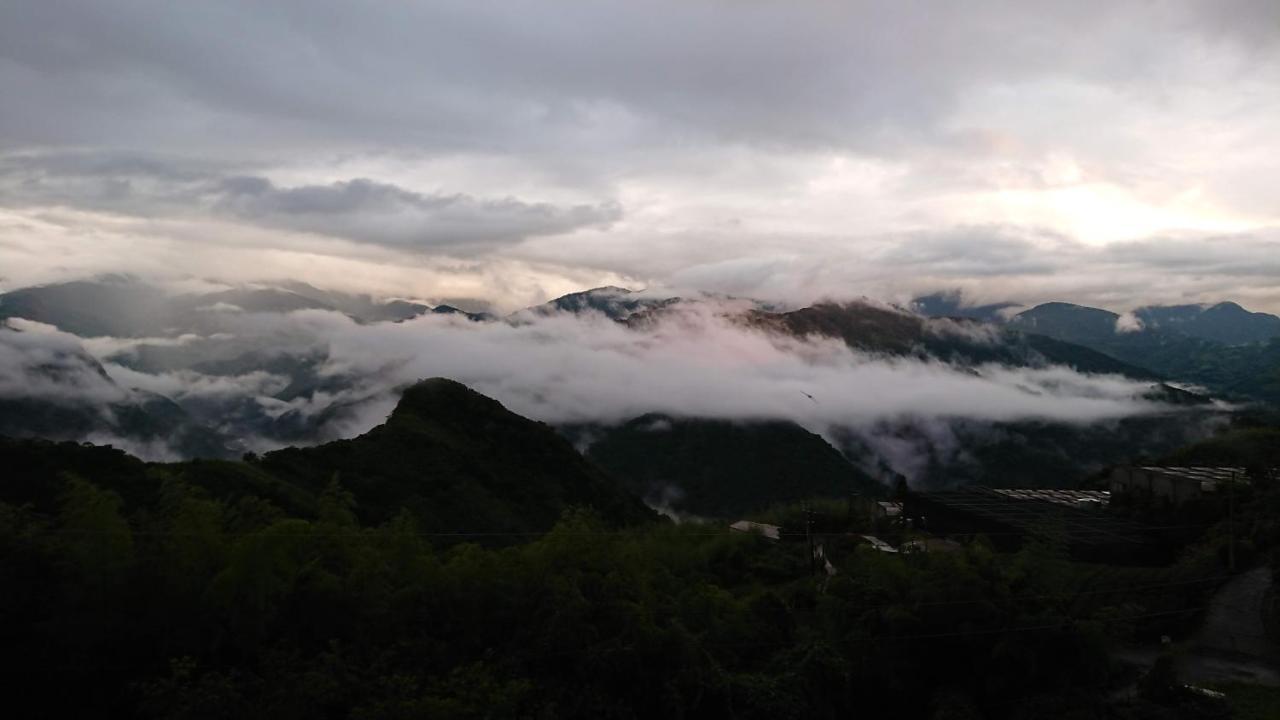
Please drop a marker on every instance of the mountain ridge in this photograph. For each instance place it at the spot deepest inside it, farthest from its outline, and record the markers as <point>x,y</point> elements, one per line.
<point>460,463</point>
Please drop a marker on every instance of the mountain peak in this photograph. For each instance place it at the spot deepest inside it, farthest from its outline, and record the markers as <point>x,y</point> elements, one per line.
<point>1228,307</point>
<point>460,461</point>
<point>440,398</point>
<point>952,303</point>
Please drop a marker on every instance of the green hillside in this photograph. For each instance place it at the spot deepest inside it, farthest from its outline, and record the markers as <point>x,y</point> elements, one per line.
<point>719,468</point>
<point>1175,346</point>
<point>460,461</point>
<point>457,461</point>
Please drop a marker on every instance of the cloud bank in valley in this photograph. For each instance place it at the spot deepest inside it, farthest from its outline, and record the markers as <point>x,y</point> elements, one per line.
<point>695,362</point>
<point>37,362</point>
<point>268,379</point>
<point>565,369</point>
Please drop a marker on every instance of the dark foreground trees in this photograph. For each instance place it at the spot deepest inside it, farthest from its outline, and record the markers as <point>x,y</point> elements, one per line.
<point>204,590</point>
<point>192,607</point>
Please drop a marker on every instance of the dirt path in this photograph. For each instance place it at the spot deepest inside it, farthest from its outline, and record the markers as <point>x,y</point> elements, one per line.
<point>1232,644</point>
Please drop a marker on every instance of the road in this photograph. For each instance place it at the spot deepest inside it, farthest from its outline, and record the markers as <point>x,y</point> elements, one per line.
<point>1232,644</point>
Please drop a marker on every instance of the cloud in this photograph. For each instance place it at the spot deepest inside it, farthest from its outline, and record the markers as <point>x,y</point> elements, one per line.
<point>1128,322</point>
<point>456,77</point>
<point>514,152</point>
<point>39,362</point>
<point>358,210</point>
<point>697,363</point>
<point>694,359</point>
<point>337,378</point>
<point>188,385</point>
<point>367,211</point>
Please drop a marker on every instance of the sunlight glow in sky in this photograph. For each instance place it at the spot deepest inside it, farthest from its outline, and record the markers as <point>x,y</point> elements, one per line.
<point>508,152</point>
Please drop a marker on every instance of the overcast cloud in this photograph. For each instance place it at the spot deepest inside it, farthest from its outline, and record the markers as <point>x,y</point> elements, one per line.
<point>1117,153</point>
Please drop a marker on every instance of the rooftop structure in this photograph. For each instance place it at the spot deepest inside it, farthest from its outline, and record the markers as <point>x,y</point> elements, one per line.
<point>1083,499</point>
<point>1009,517</point>
<point>888,509</point>
<point>878,544</point>
<point>1173,485</point>
<point>772,532</point>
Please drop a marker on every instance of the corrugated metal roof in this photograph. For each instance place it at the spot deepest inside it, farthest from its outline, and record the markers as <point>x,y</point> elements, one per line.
<point>1031,513</point>
<point>1070,498</point>
<point>1209,477</point>
<point>1198,473</point>
<point>879,544</point>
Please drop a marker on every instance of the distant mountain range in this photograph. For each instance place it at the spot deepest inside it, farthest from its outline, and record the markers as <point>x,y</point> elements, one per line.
<point>1226,323</point>
<point>1222,347</point>
<point>124,307</point>
<point>299,398</point>
<point>52,388</point>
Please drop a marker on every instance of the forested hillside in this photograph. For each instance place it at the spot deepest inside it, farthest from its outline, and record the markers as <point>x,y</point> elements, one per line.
<point>462,562</point>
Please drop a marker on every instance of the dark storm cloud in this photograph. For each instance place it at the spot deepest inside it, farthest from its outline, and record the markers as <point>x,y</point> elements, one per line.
<point>374,212</point>
<point>359,210</point>
<point>473,75</point>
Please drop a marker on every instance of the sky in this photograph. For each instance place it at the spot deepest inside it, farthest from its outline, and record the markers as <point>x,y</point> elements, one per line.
<point>502,153</point>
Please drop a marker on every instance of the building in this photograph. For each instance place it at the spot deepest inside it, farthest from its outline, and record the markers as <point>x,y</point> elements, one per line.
<point>931,544</point>
<point>1172,485</point>
<point>877,544</point>
<point>877,509</point>
<point>1074,520</point>
<point>772,532</point>
<point>1080,499</point>
<point>885,509</point>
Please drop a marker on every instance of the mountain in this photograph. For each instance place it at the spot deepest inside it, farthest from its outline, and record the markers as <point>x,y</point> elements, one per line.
<point>1174,342</point>
<point>719,468</point>
<point>457,461</point>
<point>114,306</point>
<point>451,310</point>
<point>615,303</point>
<point>51,388</point>
<point>1225,322</point>
<point>888,330</point>
<point>1065,321</point>
<point>952,304</point>
<point>120,306</point>
<point>1025,453</point>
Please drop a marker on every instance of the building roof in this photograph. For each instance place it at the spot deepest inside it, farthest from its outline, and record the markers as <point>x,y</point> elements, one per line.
<point>891,509</point>
<point>879,544</point>
<point>1032,514</point>
<point>1070,498</point>
<point>773,532</point>
<point>1209,477</point>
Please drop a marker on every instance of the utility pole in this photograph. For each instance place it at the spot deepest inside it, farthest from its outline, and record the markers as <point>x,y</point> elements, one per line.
<point>1231,523</point>
<point>808,534</point>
